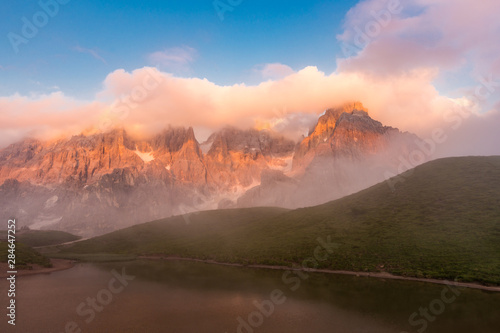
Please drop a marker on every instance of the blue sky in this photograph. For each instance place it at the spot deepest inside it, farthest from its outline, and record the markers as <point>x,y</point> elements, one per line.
<point>86,40</point>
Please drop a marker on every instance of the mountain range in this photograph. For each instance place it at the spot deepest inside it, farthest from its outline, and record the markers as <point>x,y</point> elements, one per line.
<point>96,183</point>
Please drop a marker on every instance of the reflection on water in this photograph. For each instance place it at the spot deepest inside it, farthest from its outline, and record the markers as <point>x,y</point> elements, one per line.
<point>195,297</point>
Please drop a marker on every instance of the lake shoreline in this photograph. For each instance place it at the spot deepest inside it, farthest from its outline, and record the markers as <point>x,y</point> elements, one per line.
<point>378,275</point>
<point>64,264</point>
<point>57,265</point>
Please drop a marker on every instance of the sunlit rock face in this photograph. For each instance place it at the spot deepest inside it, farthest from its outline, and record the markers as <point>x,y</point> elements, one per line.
<point>177,151</point>
<point>81,158</point>
<point>236,158</point>
<point>109,180</point>
<point>319,138</point>
<point>97,183</point>
<point>345,152</point>
<point>346,132</point>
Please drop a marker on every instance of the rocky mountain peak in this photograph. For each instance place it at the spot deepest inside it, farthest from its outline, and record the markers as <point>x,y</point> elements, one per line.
<point>21,152</point>
<point>347,132</point>
<point>327,122</point>
<point>250,141</point>
<point>235,158</point>
<point>173,139</point>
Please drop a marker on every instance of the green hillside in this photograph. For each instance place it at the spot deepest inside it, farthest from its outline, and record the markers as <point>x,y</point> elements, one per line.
<point>37,238</point>
<point>442,221</point>
<point>25,256</point>
<point>26,240</point>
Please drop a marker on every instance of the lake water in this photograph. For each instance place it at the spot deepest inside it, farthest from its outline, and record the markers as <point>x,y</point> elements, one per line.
<point>185,297</point>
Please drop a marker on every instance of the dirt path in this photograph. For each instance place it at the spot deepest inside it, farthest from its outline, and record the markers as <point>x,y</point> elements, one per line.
<point>328,271</point>
<point>57,265</point>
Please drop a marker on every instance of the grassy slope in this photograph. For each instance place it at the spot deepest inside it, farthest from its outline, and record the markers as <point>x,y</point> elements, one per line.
<point>25,240</point>
<point>41,237</point>
<point>443,221</point>
<point>25,256</point>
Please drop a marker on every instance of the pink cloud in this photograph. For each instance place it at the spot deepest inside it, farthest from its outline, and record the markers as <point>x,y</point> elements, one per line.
<point>410,102</point>
<point>46,116</point>
<point>444,34</point>
<point>146,101</point>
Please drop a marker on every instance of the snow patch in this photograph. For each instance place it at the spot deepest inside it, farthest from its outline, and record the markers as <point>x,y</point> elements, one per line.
<point>146,157</point>
<point>44,221</point>
<point>51,202</point>
<point>283,164</point>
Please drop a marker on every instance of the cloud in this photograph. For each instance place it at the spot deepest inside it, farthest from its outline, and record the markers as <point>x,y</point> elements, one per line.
<point>446,39</point>
<point>450,35</point>
<point>174,59</point>
<point>393,75</point>
<point>92,52</point>
<point>145,101</point>
<point>45,116</point>
<point>273,71</point>
<point>410,102</point>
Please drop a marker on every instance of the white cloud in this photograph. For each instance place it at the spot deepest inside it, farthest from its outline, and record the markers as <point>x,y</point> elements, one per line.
<point>174,59</point>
